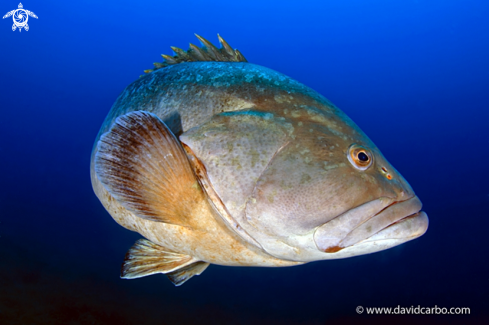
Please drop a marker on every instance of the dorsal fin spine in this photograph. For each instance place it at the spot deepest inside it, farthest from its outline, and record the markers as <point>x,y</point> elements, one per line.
<point>198,53</point>
<point>212,51</point>
<point>169,59</point>
<point>208,52</point>
<point>225,47</point>
<point>180,53</point>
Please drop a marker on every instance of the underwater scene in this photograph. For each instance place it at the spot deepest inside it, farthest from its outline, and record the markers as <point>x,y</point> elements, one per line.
<point>300,162</point>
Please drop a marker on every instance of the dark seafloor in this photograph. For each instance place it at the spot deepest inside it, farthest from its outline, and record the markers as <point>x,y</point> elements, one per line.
<point>414,75</point>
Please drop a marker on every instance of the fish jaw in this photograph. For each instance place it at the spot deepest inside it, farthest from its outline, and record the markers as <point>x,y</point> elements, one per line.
<point>376,225</point>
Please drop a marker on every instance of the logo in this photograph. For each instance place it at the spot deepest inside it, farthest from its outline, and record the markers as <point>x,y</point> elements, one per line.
<point>20,17</point>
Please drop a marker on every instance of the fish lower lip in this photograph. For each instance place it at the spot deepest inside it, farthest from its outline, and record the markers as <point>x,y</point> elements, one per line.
<point>390,215</point>
<point>413,215</point>
<point>403,230</point>
<point>330,239</point>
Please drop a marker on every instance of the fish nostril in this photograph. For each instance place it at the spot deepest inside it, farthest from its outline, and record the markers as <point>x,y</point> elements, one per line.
<point>389,176</point>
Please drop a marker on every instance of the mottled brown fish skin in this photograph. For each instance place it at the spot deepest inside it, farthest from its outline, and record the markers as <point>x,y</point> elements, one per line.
<point>188,93</point>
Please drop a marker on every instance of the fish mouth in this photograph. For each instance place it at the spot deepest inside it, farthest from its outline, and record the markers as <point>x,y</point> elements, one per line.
<point>373,225</point>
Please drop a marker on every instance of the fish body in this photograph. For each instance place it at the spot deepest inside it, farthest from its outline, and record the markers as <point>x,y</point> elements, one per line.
<point>216,160</point>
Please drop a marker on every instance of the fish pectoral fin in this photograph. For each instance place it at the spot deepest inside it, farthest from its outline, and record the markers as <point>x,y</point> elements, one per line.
<point>144,167</point>
<point>182,275</point>
<point>146,258</point>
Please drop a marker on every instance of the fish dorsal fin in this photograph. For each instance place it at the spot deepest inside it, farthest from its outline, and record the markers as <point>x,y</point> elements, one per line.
<point>146,258</point>
<point>183,274</point>
<point>208,52</point>
<point>144,167</point>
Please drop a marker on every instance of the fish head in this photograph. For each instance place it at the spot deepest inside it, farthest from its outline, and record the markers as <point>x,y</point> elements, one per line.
<point>330,193</point>
<point>307,184</point>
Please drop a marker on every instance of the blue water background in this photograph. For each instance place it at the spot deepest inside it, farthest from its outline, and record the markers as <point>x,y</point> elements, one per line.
<point>414,75</point>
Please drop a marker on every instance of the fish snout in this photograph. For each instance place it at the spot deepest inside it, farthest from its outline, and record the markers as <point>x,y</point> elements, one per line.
<point>373,226</point>
<point>403,189</point>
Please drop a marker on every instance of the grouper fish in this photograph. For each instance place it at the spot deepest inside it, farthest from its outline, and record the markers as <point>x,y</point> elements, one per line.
<point>216,160</point>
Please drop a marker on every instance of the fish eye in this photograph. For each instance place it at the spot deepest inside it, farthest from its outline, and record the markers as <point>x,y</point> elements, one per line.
<point>359,157</point>
<point>362,156</point>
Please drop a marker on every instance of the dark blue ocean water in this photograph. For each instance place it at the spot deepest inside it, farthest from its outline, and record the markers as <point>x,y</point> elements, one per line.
<point>414,75</point>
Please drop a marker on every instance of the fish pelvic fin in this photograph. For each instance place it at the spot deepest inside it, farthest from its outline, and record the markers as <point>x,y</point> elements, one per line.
<point>144,167</point>
<point>183,274</point>
<point>146,258</point>
<point>208,52</point>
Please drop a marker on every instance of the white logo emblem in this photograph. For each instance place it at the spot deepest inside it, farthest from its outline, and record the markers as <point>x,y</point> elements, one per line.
<point>20,17</point>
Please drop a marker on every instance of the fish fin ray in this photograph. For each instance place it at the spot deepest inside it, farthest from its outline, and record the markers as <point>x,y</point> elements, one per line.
<point>208,52</point>
<point>146,258</point>
<point>144,167</point>
<point>183,274</point>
